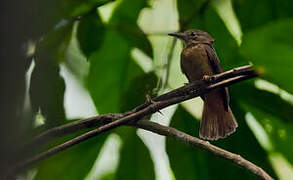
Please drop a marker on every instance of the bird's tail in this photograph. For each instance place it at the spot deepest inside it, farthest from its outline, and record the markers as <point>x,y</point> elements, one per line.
<point>216,122</point>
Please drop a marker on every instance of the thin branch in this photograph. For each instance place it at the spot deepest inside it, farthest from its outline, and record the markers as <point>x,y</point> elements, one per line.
<point>176,96</point>
<point>96,121</point>
<point>203,145</point>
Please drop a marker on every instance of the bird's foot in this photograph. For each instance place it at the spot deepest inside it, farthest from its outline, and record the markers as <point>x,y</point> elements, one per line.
<point>207,78</point>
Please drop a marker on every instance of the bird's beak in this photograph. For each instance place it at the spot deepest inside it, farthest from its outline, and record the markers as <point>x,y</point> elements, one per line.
<point>178,35</point>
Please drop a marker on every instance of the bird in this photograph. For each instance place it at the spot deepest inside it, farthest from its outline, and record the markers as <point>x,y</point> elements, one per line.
<point>199,61</point>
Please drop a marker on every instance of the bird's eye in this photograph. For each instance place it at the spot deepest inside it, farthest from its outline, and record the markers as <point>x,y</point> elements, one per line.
<point>193,34</point>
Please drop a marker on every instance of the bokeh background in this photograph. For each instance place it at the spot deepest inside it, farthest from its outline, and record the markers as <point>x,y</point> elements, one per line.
<point>67,60</point>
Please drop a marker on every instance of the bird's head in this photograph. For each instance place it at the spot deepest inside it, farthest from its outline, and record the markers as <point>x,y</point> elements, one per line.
<point>193,36</point>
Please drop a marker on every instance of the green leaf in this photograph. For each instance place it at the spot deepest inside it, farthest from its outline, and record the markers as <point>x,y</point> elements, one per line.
<point>124,20</point>
<point>90,33</point>
<point>270,49</point>
<point>55,43</point>
<point>257,13</point>
<point>135,160</point>
<point>201,165</point>
<point>268,102</point>
<point>280,133</point>
<point>108,73</point>
<point>47,14</point>
<point>73,163</point>
<point>189,11</point>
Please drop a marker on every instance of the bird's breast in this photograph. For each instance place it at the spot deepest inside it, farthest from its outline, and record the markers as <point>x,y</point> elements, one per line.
<point>195,63</point>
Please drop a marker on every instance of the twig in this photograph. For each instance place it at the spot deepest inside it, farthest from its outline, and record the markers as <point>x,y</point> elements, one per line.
<point>203,145</point>
<point>179,95</point>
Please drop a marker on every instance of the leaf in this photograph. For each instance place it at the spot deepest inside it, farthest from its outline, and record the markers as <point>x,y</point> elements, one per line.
<point>257,13</point>
<point>55,43</point>
<point>270,50</point>
<point>90,33</point>
<point>108,72</point>
<point>135,160</point>
<point>73,163</point>
<point>124,20</point>
<point>279,133</point>
<point>47,14</point>
<point>189,11</point>
<point>201,165</point>
<point>268,102</point>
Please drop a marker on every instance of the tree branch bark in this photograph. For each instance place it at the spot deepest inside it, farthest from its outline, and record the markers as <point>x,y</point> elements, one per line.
<point>110,121</point>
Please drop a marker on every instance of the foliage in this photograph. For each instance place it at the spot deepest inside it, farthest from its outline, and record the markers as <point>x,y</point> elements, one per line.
<point>117,82</point>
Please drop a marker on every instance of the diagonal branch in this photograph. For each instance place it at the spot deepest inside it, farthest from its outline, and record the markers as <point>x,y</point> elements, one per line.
<point>197,143</point>
<point>96,121</point>
<point>110,121</point>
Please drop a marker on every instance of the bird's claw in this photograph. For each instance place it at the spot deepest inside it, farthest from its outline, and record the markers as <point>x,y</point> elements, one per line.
<point>207,78</point>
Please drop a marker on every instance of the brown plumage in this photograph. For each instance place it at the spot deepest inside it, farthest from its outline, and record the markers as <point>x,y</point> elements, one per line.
<point>198,58</point>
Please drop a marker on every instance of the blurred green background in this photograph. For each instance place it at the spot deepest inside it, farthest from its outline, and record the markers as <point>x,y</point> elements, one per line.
<point>100,56</point>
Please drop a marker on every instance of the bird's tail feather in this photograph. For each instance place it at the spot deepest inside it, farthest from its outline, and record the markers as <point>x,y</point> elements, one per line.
<point>216,122</point>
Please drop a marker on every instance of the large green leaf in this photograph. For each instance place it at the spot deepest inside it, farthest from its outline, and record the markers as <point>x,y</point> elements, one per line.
<point>109,69</point>
<point>270,49</point>
<point>268,102</point>
<point>73,163</point>
<point>189,11</point>
<point>188,163</point>
<point>135,160</point>
<point>90,33</point>
<point>124,21</point>
<point>253,13</point>
<point>280,133</point>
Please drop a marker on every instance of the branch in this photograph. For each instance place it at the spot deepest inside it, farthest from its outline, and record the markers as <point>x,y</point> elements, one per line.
<point>240,73</point>
<point>111,121</point>
<point>197,143</point>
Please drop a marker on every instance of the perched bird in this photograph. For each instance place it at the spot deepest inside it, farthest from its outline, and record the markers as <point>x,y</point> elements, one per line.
<point>199,60</point>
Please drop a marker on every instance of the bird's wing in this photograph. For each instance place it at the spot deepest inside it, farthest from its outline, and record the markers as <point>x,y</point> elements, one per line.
<point>215,63</point>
